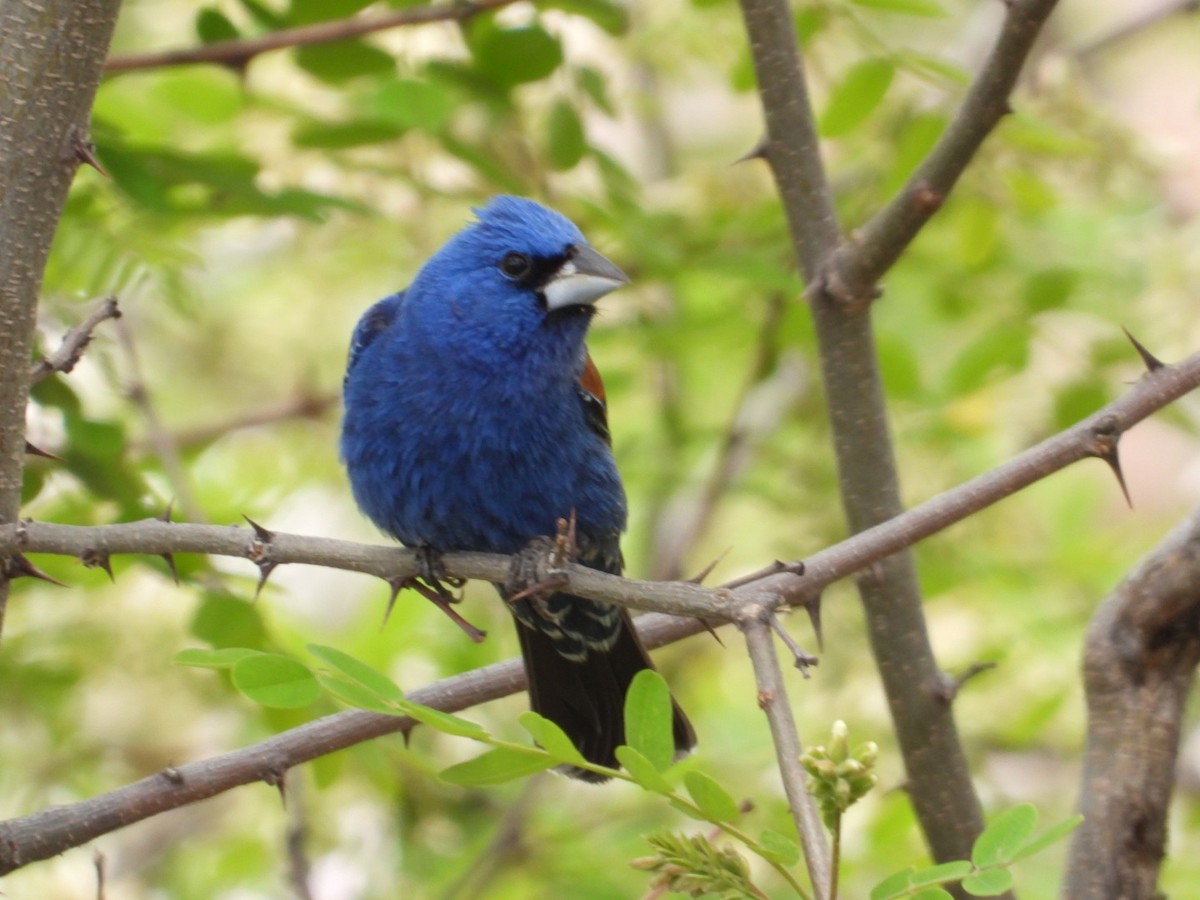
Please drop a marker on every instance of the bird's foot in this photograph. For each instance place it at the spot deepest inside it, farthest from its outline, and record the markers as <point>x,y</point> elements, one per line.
<point>540,567</point>
<point>430,582</point>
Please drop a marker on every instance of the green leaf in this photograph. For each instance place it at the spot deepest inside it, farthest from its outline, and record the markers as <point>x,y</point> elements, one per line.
<point>441,721</point>
<point>712,799</point>
<point>649,719</point>
<point>225,621</point>
<point>357,670</point>
<point>213,26</point>
<point>896,885</point>
<point>931,893</point>
<point>856,96</point>
<point>1050,288</point>
<point>565,139</point>
<point>551,738</point>
<point>276,681</point>
<point>222,658</point>
<point>592,83</point>
<point>988,883</point>
<point>640,769</point>
<point>1051,835</point>
<point>413,103</point>
<point>1004,836</point>
<point>341,61</point>
<point>927,8</point>
<point>951,871</point>
<point>497,766</point>
<point>780,848</point>
<point>354,694</point>
<point>512,56</point>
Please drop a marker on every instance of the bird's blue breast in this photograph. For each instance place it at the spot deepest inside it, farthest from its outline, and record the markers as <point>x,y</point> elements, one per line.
<point>460,457</point>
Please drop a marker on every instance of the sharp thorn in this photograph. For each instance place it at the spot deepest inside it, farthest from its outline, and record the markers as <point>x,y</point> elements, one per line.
<point>699,577</point>
<point>85,152</point>
<point>397,585</point>
<point>813,608</point>
<point>18,565</point>
<point>31,450</point>
<point>94,559</point>
<point>166,513</point>
<point>1112,458</point>
<point>169,558</point>
<point>1151,361</point>
<point>264,534</point>
<point>758,151</point>
<point>708,626</point>
<point>265,568</point>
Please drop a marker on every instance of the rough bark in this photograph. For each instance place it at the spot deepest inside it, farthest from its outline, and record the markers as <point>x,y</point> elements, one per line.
<point>1139,663</point>
<point>51,52</point>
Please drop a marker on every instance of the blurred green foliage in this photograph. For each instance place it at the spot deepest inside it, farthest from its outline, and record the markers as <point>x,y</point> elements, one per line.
<point>252,215</point>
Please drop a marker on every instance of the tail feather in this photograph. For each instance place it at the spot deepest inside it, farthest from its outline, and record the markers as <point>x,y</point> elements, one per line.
<point>586,697</point>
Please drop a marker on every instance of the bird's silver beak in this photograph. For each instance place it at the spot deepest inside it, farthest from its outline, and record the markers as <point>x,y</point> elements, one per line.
<point>584,278</point>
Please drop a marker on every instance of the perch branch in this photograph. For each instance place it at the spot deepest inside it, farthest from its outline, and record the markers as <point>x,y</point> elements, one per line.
<point>49,832</point>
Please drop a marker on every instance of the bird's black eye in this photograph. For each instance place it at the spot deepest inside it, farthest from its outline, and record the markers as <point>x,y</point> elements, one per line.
<point>516,265</point>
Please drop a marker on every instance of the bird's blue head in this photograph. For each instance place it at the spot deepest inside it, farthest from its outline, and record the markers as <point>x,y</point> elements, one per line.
<point>517,285</point>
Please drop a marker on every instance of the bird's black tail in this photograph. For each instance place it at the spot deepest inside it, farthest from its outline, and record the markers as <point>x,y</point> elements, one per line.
<point>586,698</point>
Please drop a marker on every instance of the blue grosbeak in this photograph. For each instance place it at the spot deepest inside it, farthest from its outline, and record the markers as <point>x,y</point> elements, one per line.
<point>475,420</point>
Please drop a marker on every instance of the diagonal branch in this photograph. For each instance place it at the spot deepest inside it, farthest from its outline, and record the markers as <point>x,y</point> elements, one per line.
<point>238,52</point>
<point>860,263</point>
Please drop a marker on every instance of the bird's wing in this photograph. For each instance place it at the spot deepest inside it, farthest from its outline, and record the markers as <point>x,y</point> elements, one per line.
<point>373,323</point>
<point>591,395</point>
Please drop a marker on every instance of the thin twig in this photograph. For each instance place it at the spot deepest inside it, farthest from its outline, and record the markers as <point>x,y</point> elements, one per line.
<point>238,52</point>
<point>160,438</point>
<point>303,405</point>
<point>74,342</point>
<point>861,262</point>
<point>773,700</point>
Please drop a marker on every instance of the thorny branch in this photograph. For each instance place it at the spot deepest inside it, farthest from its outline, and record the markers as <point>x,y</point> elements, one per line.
<point>1095,436</point>
<point>48,832</point>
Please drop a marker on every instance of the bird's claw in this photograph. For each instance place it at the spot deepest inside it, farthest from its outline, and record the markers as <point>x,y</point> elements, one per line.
<point>539,568</point>
<point>430,582</point>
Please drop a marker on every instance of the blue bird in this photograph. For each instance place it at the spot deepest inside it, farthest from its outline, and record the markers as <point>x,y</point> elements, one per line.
<point>475,421</point>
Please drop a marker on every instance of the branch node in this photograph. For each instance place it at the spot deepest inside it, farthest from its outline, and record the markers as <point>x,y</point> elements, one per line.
<point>97,559</point>
<point>82,150</point>
<point>263,534</point>
<point>947,687</point>
<point>18,566</point>
<point>173,775</point>
<point>1106,434</point>
<point>1152,362</point>
<point>926,198</point>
